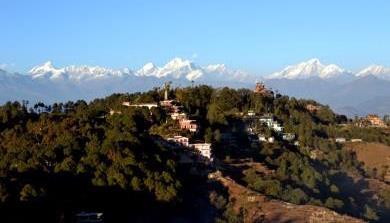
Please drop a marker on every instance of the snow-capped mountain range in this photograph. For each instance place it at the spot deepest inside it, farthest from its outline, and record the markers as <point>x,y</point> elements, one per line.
<point>328,83</point>
<point>351,93</point>
<point>177,68</point>
<point>314,68</point>
<point>47,70</point>
<point>376,70</point>
<point>309,69</point>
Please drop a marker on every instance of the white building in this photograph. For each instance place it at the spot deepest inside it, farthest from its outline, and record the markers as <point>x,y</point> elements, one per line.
<point>340,140</point>
<point>113,112</point>
<point>288,136</point>
<point>178,116</point>
<point>184,141</point>
<point>148,105</point>
<point>251,113</point>
<point>267,119</point>
<point>277,127</point>
<point>271,123</point>
<point>203,148</point>
<point>262,138</point>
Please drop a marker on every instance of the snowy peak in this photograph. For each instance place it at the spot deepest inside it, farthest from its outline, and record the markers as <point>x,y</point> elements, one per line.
<point>77,73</point>
<point>178,63</point>
<point>92,72</point>
<point>179,68</point>
<point>375,70</point>
<point>309,69</point>
<point>147,70</point>
<point>46,70</point>
<point>176,68</point>
<point>216,68</point>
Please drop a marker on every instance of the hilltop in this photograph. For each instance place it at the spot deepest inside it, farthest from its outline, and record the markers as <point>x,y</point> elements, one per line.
<point>151,157</point>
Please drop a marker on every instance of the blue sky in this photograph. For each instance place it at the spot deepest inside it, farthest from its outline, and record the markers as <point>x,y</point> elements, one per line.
<point>258,36</point>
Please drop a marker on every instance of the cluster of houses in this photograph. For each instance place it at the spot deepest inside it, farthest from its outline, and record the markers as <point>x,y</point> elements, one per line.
<point>175,111</point>
<point>371,120</point>
<point>269,121</point>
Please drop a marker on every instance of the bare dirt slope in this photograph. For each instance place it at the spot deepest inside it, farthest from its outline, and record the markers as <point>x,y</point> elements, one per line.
<point>373,155</point>
<point>259,208</point>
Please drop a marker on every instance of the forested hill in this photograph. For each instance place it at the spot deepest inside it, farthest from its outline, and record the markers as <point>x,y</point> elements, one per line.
<point>57,160</point>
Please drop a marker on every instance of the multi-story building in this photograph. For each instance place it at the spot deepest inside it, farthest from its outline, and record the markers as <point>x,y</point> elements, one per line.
<point>271,123</point>
<point>204,149</point>
<point>178,116</point>
<point>188,124</point>
<point>375,121</point>
<point>184,141</point>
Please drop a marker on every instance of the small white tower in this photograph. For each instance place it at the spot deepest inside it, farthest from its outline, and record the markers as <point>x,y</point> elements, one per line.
<point>166,89</point>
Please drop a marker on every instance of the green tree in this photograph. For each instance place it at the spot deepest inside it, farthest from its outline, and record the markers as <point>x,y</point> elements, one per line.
<point>370,213</point>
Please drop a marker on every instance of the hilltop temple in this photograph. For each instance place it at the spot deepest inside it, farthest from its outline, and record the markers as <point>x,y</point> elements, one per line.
<point>261,89</point>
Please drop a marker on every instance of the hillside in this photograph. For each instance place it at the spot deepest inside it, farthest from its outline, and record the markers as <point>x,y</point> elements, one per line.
<point>146,157</point>
<point>375,156</point>
<point>259,208</point>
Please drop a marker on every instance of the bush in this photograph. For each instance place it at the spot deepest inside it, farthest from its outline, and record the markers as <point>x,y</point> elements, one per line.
<point>298,196</point>
<point>334,203</point>
<point>370,213</point>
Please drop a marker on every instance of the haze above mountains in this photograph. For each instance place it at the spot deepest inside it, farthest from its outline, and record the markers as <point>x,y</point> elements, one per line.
<point>347,92</point>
